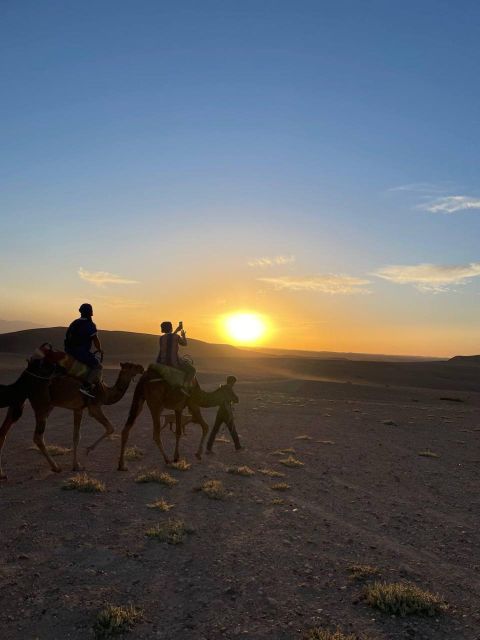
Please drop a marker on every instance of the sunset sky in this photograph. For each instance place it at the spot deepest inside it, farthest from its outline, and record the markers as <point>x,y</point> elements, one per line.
<point>314,162</point>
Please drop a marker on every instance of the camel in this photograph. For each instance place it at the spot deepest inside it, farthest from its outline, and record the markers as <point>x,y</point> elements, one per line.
<point>159,396</point>
<point>61,391</point>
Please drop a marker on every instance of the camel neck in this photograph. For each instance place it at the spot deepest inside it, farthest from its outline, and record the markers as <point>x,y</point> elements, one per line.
<point>115,394</point>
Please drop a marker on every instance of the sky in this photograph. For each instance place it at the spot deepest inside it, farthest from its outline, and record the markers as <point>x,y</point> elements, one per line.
<point>313,162</point>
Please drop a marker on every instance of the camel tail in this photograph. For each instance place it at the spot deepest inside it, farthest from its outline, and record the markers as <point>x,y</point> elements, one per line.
<point>137,402</point>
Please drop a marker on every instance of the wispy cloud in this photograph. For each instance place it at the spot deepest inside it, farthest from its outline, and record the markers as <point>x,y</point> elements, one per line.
<point>271,262</point>
<point>451,204</point>
<point>325,283</point>
<point>423,187</point>
<point>101,278</point>
<point>432,278</point>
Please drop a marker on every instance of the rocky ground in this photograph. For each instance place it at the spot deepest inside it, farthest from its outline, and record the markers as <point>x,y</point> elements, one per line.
<point>260,563</point>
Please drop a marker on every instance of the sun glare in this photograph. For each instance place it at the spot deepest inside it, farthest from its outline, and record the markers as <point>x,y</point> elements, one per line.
<point>245,328</point>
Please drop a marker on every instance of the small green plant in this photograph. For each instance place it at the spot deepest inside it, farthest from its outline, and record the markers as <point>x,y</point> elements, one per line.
<point>428,454</point>
<point>133,453</point>
<point>156,476</point>
<point>402,599</point>
<point>361,572</point>
<point>181,465</point>
<point>291,462</point>
<point>280,486</point>
<point>215,490</point>
<point>241,471</point>
<point>83,482</point>
<point>113,621</point>
<point>324,634</point>
<point>161,505</point>
<point>271,473</point>
<point>171,532</point>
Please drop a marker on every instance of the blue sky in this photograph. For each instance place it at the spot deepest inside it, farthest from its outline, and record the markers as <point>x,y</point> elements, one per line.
<point>170,144</point>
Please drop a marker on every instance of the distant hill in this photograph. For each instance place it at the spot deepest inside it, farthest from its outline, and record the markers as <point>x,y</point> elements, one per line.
<point>116,344</point>
<point>465,360</point>
<point>339,355</point>
<point>7,326</point>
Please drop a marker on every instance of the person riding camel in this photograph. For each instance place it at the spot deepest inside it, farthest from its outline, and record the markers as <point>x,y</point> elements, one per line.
<point>169,342</point>
<point>80,336</point>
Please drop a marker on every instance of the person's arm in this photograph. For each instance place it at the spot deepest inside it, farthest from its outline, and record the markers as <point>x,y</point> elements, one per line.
<point>183,339</point>
<point>96,344</point>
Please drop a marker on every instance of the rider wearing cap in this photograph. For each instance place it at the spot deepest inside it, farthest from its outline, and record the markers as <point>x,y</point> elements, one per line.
<point>80,337</point>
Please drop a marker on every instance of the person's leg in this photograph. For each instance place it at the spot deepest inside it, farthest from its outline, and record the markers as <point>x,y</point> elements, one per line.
<point>233,432</point>
<point>213,433</point>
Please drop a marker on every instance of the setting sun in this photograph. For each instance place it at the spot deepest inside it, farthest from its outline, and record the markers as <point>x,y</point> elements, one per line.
<point>245,328</point>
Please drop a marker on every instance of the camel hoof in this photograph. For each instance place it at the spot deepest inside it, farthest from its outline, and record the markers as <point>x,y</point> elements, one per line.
<point>78,467</point>
<point>3,476</point>
<point>56,469</point>
<point>198,456</point>
<point>168,461</point>
<point>122,467</point>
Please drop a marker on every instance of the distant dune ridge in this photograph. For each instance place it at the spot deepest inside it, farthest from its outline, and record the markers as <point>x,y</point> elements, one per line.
<point>460,373</point>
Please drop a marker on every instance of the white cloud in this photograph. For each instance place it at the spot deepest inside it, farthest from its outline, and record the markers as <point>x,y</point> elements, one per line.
<point>451,204</point>
<point>101,278</point>
<point>271,262</point>
<point>421,187</point>
<point>325,283</point>
<point>434,278</point>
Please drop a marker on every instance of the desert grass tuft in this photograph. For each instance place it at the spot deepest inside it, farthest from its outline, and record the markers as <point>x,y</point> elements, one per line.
<point>171,532</point>
<point>271,473</point>
<point>283,452</point>
<point>53,450</point>
<point>361,572</point>
<point>215,490</point>
<point>84,483</point>
<point>156,476</point>
<point>133,453</point>
<point>290,461</point>
<point>277,501</point>
<point>161,505</point>
<point>241,471</point>
<point>402,599</point>
<point>303,437</point>
<point>326,441</point>
<point>428,454</point>
<point>325,634</point>
<point>181,465</point>
<point>113,621</point>
<point>280,486</point>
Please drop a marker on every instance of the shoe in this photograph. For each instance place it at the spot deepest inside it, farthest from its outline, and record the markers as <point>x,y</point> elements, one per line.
<point>87,391</point>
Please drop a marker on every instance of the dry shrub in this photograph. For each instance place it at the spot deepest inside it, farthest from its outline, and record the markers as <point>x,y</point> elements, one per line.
<point>171,532</point>
<point>280,486</point>
<point>324,634</point>
<point>303,437</point>
<point>133,453</point>
<point>160,504</point>
<point>402,599</point>
<point>113,621</point>
<point>156,476</point>
<point>326,441</point>
<point>181,465</point>
<point>55,450</point>
<point>362,571</point>
<point>283,452</point>
<point>428,454</point>
<point>241,471</point>
<point>271,473</point>
<point>291,462</point>
<point>215,490</point>
<point>277,501</point>
<point>83,482</point>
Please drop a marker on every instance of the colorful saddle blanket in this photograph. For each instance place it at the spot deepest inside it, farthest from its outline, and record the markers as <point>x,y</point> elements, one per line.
<point>174,377</point>
<point>51,356</point>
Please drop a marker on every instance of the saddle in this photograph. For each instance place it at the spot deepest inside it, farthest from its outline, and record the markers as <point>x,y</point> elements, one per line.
<point>175,378</point>
<point>45,362</point>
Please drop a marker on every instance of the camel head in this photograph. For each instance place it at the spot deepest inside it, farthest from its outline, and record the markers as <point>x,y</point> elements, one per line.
<point>130,370</point>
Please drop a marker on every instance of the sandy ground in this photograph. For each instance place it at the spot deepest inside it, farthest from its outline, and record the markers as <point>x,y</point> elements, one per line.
<point>252,568</point>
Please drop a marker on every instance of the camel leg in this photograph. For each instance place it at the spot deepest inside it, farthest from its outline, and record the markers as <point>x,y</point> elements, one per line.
<point>157,427</point>
<point>198,418</point>
<point>96,412</point>
<point>77,420</point>
<point>41,423</point>
<point>13,415</point>
<point>178,435</point>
